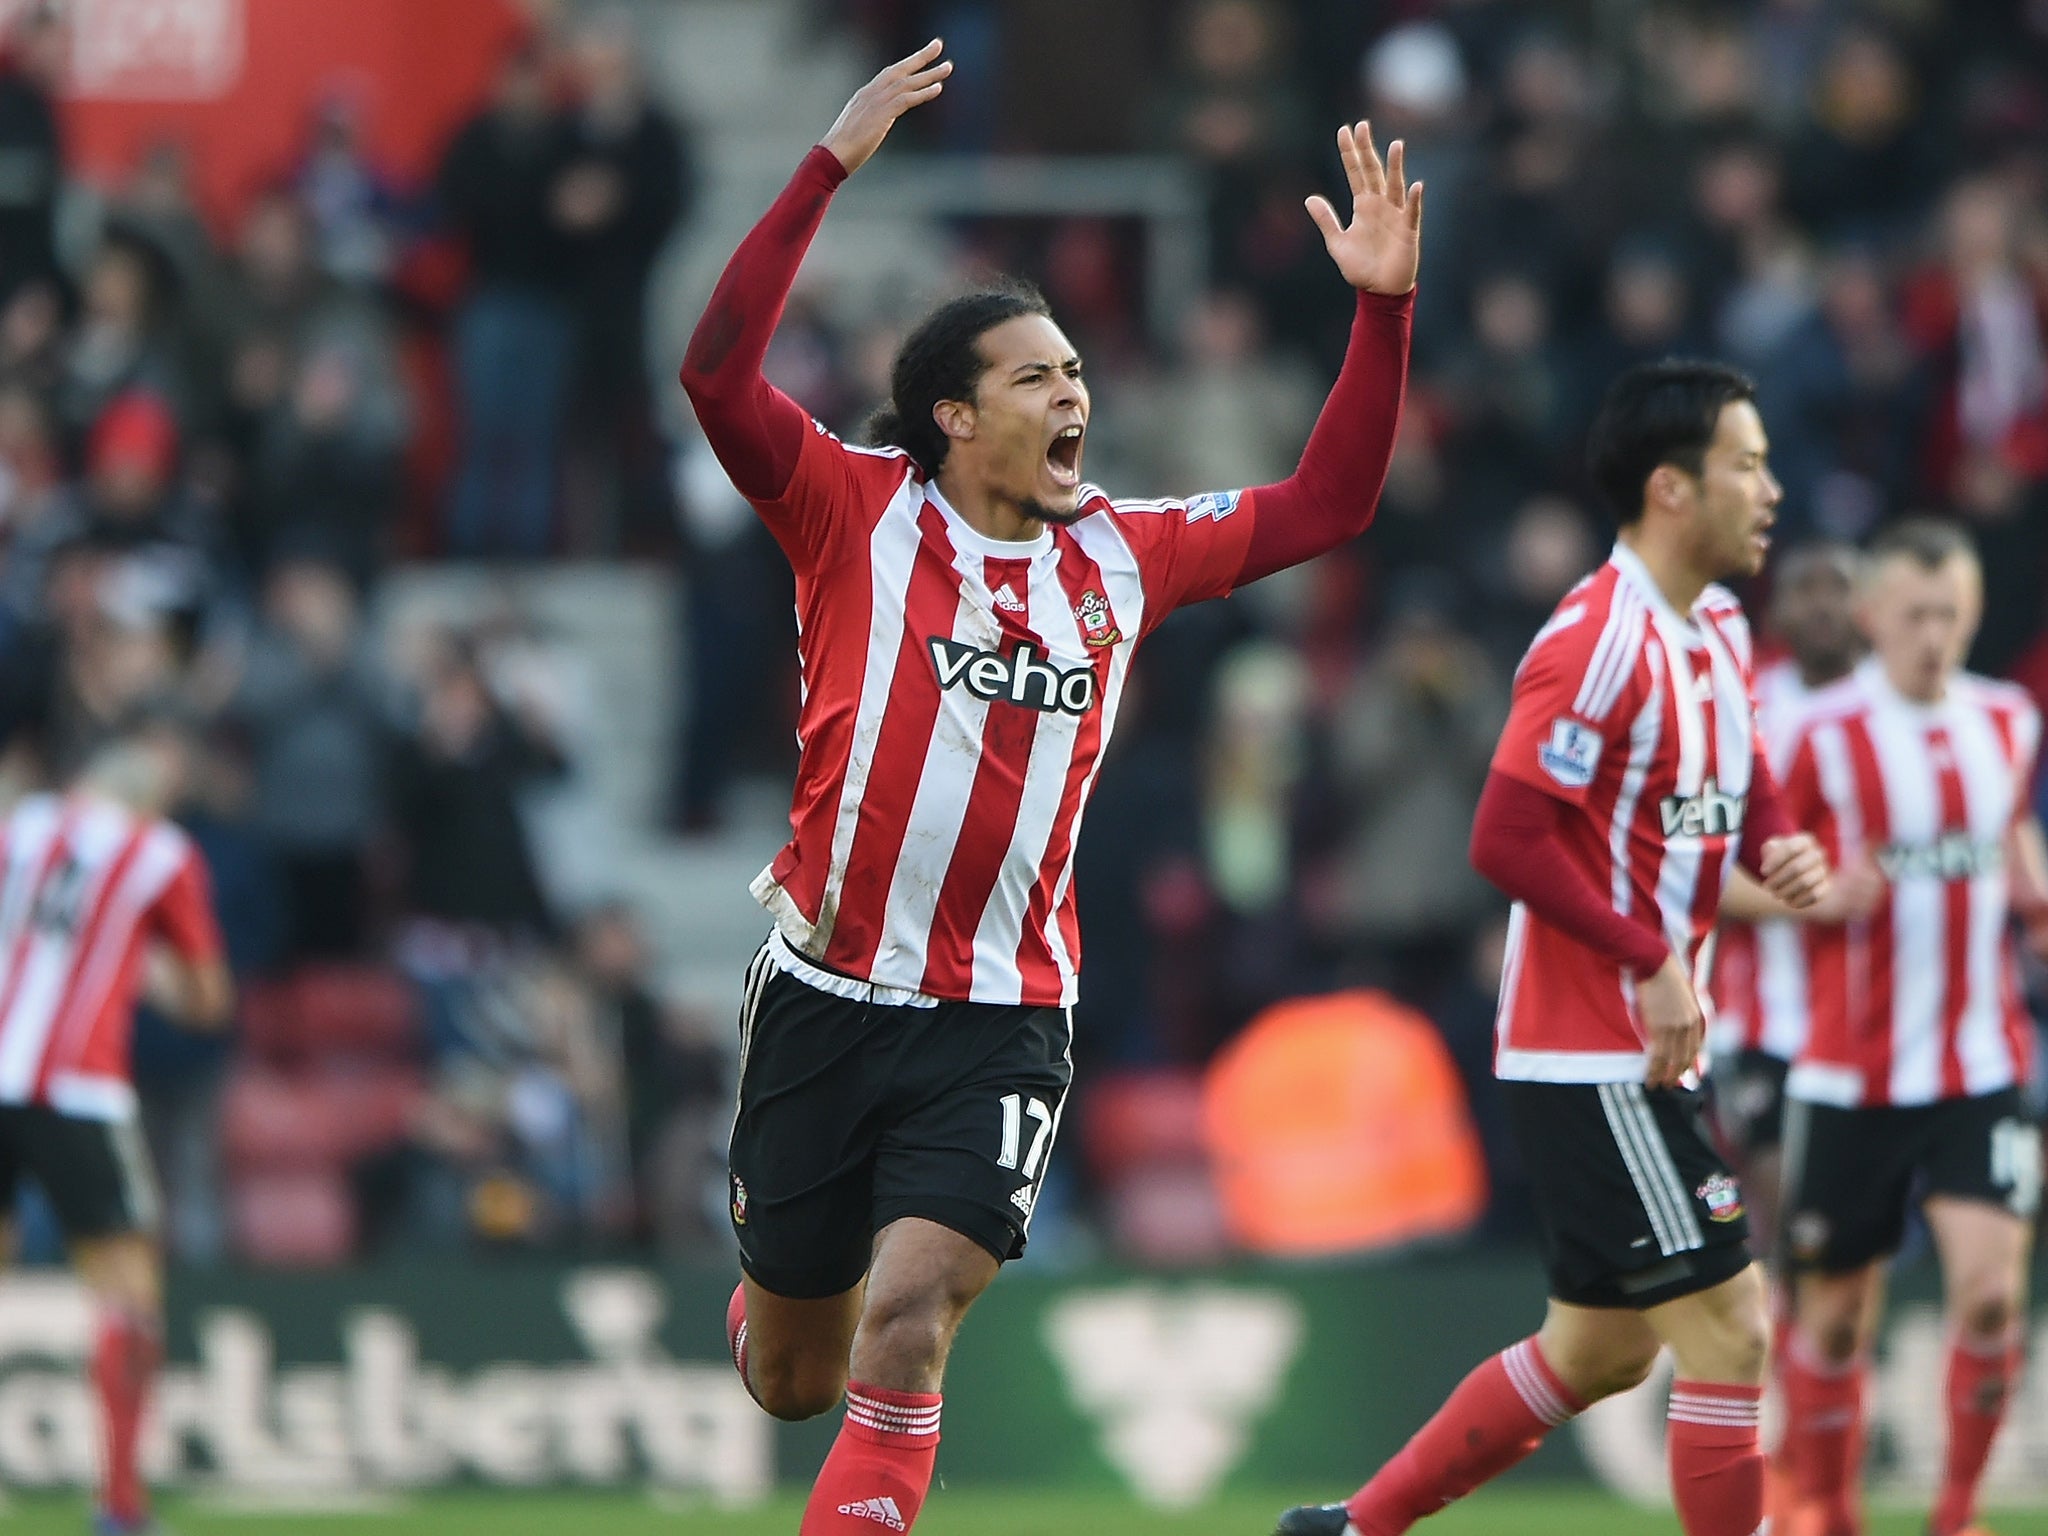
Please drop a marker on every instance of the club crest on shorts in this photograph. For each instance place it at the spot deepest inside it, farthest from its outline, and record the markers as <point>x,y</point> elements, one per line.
<point>739,1201</point>
<point>1722,1196</point>
<point>1098,624</point>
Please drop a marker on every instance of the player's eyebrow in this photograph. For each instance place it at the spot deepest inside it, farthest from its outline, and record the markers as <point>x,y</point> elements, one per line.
<point>1041,365</point>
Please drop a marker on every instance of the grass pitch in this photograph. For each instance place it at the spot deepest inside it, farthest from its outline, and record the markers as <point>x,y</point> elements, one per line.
<point>1507,1512</point>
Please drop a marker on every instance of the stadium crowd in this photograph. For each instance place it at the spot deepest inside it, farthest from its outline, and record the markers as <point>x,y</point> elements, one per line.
<point>215,444</point>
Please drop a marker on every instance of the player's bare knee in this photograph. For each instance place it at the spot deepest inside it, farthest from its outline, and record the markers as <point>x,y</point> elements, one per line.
<point>794,1390</point>
<point>909,1329</point>
<point>1986,1312</point>
<point>1837,1340</point>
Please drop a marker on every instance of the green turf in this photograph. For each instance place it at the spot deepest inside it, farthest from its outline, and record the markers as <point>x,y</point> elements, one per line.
<point>1501,1513</point>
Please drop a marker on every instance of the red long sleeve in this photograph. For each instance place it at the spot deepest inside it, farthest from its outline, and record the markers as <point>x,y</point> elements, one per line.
<point>1764,818</point>
<point>754,428</point>
<point>1333,493</point>
<point>1517,838</point>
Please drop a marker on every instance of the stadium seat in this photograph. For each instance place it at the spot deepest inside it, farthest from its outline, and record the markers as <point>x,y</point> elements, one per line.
<point>356,1011</point>
<point>293,1218</point>
<point>271,1119</point>
<point>320,1012</point>
<point>1144,1117</point>
<point>1141,1133</point>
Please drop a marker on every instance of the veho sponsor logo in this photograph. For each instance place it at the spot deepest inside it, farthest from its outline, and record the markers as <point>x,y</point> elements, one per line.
<point>1952,856</point>
<point>1022,677</point>
<point>1710,813</point>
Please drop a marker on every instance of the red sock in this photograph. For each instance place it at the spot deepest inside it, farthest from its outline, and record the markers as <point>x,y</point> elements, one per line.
<point>736,1335</point>
<point>124,1364</point>
<point>1497,1415</point>
<point>1824,1434</point>
<point>1717,1464</point>
<point>880,1466</point>
<point>1980,1383</point>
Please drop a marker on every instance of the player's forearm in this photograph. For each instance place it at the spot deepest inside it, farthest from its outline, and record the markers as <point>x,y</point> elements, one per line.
<point>1518,844</point>
<point>2028,860</point>
<point>1744,900</point>
<point>1764,817</point>
<point>1332,494</point>
<point>754,428</point>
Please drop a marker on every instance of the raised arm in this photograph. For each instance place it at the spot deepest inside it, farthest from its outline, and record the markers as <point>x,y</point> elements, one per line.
<point>1332,494</point>
<point>755,429</point>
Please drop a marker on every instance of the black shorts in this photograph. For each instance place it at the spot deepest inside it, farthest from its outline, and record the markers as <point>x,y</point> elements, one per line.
<point>96,1172</point>
<point>853,1115</point>
<point>1748,1094</point>
<point>1852,1175</point>
<point>1635,1205</point>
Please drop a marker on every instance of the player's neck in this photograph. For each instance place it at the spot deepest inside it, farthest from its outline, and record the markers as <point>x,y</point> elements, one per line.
<point>991,516</point>
<point>1668,566</point>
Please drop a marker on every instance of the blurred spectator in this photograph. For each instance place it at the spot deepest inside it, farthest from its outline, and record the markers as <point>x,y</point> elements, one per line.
<point>316,411</point>
<point>31,149</point>
<point>678,1094</point>
<point>1845,398</point>
<point>133,509</point>
<point>123,339</point>
<point>738,706</point>
<point>1231,410</point>
<point>628,181</point>
<point>456,781</point>
<point>355,211</point>
<point>501,184</point>
<point>1228,108</point>
<point>1402,896</point>
<point>313,707</point>
<point>1862,162</point>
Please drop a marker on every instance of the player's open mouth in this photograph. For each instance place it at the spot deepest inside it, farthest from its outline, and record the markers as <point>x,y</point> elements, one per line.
<point>1063,457</point>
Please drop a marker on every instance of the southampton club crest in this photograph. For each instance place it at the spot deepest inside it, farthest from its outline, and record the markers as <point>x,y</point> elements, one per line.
<point>739,1201</point>
<point>1098,624</point>
<point>1722,1197</point>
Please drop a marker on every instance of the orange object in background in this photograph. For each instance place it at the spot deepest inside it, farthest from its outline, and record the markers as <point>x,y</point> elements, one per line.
<point>1338,1123</point>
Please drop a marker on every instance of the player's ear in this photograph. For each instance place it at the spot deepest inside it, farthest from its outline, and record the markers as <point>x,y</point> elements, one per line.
<point>1667,487</point>
<point>955,418</point>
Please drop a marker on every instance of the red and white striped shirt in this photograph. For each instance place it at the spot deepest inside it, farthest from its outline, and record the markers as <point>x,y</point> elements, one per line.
<point>1640,717</point>
<point>1760,969</point>
<point>958,694</point>
<point>84,883</point>
<point>1920,1001</point>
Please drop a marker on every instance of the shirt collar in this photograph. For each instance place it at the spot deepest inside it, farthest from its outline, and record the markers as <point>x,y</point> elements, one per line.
<point>1637,575</point>
<point>1871,675</point>
<point>969,541</point>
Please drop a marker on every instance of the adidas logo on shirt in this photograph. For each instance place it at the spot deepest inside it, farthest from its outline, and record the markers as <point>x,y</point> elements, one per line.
<point>882,1511</point>
<point>1008,600</point>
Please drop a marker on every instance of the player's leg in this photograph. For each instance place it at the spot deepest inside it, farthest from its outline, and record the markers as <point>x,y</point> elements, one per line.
<point>98,1178</point>
<point>1720,1340</point>
<point>1984,1179</point>
<point>1847,1183</point>
<point>813,1070</point>
<point>955,1181</point>
<point>1630,1217</point>
<point>1493,1419</point>
<point>791,1351</point>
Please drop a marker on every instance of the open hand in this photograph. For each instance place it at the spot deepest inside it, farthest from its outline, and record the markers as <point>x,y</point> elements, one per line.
<point>873,111</point>
<point>1379,249</point>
